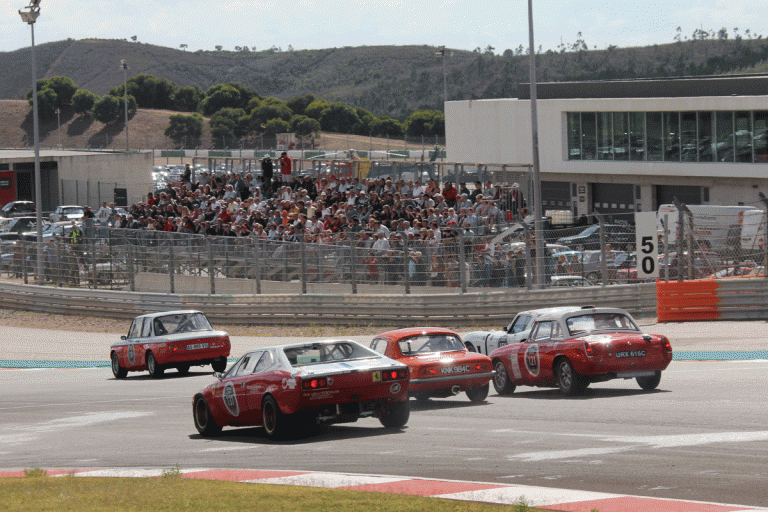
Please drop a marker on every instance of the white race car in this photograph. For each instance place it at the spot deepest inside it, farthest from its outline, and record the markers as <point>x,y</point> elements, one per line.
<point>518,330</point>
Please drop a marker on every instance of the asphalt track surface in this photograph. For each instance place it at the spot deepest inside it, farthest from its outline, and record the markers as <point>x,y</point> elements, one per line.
<point>702,436</point>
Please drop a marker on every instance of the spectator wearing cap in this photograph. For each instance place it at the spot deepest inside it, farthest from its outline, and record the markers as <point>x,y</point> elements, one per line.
<point>478,191</point>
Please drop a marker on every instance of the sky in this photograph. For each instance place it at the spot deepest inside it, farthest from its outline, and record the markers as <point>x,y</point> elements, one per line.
<point>316,24</point>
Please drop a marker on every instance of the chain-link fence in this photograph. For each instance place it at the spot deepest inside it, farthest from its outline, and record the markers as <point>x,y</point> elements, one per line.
<point>490,252</point>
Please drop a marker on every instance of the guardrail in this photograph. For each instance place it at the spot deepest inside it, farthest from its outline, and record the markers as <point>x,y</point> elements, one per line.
<point>493,308</point>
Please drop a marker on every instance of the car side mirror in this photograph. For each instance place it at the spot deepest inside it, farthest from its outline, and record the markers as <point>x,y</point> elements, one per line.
<point>218,375</point>
<point>123,338</point>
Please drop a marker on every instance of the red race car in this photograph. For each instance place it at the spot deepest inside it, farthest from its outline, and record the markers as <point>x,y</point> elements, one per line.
<point>174,339</point>
<point>440,365</point>
<point>572,349</point>
<point>294,389</point>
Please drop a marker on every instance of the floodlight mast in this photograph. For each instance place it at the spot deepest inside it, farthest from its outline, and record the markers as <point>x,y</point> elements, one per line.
<point>29,15</point>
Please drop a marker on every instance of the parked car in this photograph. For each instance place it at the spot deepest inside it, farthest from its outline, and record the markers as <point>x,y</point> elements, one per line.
<point>300,387</point>
<point>172,339</point>
<point>439,363</point>
<point>567,280</point>
<point>62,229</point>
<point>17,208</point>
<point>13,228</point>
<point>620,235</point>
<point>71,212</point>
<point>518,329</point>
<point>573,349</point>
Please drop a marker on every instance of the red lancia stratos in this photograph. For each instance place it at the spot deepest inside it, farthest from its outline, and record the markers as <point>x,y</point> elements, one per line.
<point>174,339</point>
<point>293,389</point>
<point>439,363</point>
<point>572,349</point>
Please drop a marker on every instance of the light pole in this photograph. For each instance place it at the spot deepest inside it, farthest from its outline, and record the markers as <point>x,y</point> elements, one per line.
<point>58,122</point>
<point>29,15</point>
<point>441,53</point>
<point>535,147</point>
<point>124,67</point>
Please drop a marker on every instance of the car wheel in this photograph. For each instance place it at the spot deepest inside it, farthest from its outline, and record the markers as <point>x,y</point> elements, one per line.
<point>479,394</point>
<point>501,382</point>
<point>153,367</point>
<point>649,383</point>
<point>396,416</point>
<point>569,380</point>
<point>183,369</point>
<point>118,371</point>
<point>593,277</point>
<point>204,422</point>
<point>219,365</point>
<point>272,419</point>
<point>470,347</point>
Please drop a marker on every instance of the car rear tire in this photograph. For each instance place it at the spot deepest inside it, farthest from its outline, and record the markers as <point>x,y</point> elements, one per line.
<point>219,365</point>
<point>118,371</point>
<point>479,394</point>
<point>649,383</point>
<point>183,369</point>
<point>396,416</point>
<point>570,381</point>
<point>204,422</point>
<point>153,367</point>
<point>272,418</point>
<point>501,381</point>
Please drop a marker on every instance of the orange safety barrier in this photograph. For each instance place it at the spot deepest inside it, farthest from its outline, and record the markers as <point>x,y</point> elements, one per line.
<point>680,301</point>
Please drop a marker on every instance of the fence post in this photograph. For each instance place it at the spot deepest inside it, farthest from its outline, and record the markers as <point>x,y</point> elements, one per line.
<point>211,275</point>
<point>258,249</point>
<point>171,277</point>
<point>352,266</point>
<point>406,264</point>
<point>24,260</point>
<point>528,266</point>
<point>603,263</point>
<point>303,264</point>
<point>93,265</point>
<point>131,274</point>
<point>462,264</point>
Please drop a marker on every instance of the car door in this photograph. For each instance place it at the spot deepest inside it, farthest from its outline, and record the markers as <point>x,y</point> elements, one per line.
<point>235,389</point>
<point>530,352</point>
<point>139,345</point>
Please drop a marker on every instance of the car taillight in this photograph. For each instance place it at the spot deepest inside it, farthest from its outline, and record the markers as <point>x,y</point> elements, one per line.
<point>173,348</point>
<point>667,345</point>
<point>317,383</point>
<point>589,349</point>
<point>394,374</point>
<point>429,371</point>
<point>483,367</point>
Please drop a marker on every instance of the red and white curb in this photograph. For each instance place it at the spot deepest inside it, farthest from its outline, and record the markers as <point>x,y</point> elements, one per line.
<point>545,497</point>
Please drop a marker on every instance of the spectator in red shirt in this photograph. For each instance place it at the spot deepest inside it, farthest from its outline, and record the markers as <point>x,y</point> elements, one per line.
<point>285,167</point>
<point>450,193</point>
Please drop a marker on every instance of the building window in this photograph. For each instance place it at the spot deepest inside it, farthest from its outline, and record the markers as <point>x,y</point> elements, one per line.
<point>703,136</point>
<point>760,136</point>
<point>620,136</point>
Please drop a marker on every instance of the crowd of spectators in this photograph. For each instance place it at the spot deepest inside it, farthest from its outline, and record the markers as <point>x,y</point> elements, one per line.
<point>383,215</point>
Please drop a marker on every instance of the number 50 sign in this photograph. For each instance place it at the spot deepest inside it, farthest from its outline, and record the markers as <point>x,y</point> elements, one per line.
<point>646,242</point>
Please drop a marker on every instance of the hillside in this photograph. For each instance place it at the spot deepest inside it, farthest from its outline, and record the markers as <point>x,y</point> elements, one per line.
<point>145,131</point>
<point>386,80</point>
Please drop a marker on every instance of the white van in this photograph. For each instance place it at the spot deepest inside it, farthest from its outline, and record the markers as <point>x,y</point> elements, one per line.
<point>753,232</point>
<point>716,226</point>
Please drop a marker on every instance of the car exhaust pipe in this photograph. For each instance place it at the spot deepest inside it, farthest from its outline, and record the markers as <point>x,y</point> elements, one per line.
<point>456,390</point>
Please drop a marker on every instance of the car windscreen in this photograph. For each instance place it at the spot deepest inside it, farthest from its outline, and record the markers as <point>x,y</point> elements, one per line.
<point>72,211</point>
<point>181,322</point>
<point>581,324</point>
<point>428,343</point>
<point>314,353</point>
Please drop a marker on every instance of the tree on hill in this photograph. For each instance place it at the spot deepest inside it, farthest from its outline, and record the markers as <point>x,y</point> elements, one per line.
<point>299,104</point>
<point>316,108</point>
<point>107,109</point>
<point>185,129</point>
<point>339,117</point>
<point>304,126</point>
<point>383,126</point>
<point>228,125</point>
<point>187,99</point>
<point>275,126</point>
<point>83,101</point>
<point>149,92</point>
<point>52,93</point>
<point>425,123</point>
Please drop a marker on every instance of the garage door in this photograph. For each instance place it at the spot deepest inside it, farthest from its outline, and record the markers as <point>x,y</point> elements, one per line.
<point>665,194</point>
<point>556,195</point>
<point>615,199</point>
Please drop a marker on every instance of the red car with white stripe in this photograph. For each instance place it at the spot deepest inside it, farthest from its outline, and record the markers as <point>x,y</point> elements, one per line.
<point>440,365</point>
<point>573,349</point>
<point>172,339</point>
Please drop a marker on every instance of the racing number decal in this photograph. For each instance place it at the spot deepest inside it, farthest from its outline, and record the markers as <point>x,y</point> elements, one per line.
<point>230,399</point>
<point>532,359</point>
